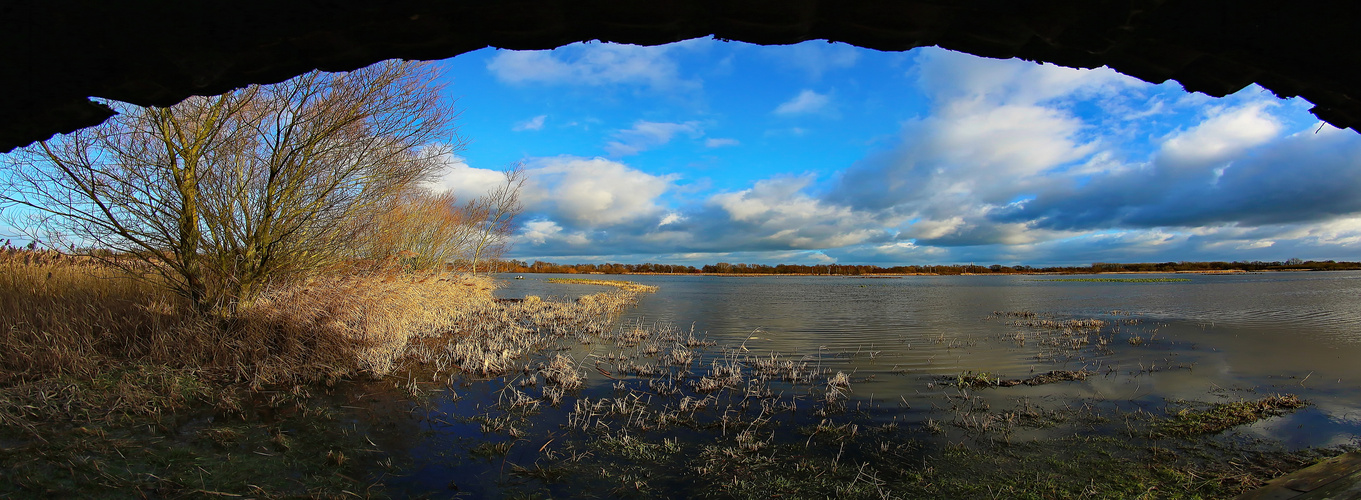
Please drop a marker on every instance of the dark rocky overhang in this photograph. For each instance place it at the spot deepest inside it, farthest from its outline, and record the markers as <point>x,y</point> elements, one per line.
<point>59,53</point>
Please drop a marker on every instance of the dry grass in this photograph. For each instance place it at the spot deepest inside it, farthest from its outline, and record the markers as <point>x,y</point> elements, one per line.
<point>67,316</point>
<point>561,371</point>
<point>61,315</point>
<point>627,286</point>
<point>496,335</point>
<point>340,326</point>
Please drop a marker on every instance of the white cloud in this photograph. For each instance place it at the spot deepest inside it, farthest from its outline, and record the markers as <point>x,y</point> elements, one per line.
<point>671,218</point>
<point>1224,135</point>
<point>1013,163</point>
<point>999,131</point>
<point>592,192</point>
<point>1005,141</point>
<point>935,229</point>
<point>646,135</point>
<point>593,64</point>
<point>541,232</point>
<point>464,181</point>
<point>535,123</point>
<point>806,102</point>
<point>778,213</point>
<point>814,57</point>
<point>964,161</point>
<point>954,76</point>
<point>1233,168</point>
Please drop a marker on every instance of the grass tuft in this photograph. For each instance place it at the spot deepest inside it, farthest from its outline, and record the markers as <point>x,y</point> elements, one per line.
<point>1222,416</point>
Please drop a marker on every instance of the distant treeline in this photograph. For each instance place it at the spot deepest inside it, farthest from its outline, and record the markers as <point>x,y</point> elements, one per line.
<point>516,266</point>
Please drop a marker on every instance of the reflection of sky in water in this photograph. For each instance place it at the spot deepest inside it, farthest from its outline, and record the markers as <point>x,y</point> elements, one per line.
<point>1214,338</point>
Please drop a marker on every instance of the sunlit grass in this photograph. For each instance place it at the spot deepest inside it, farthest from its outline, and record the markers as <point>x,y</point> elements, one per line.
<point>623,285</point>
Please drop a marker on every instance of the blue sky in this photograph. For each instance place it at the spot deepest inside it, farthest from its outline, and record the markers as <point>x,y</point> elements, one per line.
<point>706,151</point>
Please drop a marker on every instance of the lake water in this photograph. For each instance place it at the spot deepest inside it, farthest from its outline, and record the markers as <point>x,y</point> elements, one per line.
<point>1213,338</point>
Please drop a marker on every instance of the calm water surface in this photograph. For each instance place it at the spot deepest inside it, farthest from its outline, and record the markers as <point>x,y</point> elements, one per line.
<point>1263,332</point>
<point>1213,338</point>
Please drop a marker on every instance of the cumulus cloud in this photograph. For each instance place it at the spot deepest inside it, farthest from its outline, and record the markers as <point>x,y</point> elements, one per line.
<point>464,181</point>
<point>535,123</point>
<point>593,64</point>
<point>1224,135</point>
<point>952,76</point>
<point>778,213</point>
<point>541,232</point>
<point>806,102</point>
<point>592,192</point>
<point>645,135</point>
<point>1301,178</point>
<point>774,215</point>
<point>962,163</point>
<point>1014,163</point>
<point>999,132</point>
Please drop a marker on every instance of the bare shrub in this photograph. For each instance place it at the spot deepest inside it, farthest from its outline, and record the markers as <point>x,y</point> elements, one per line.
<point>220,196</point>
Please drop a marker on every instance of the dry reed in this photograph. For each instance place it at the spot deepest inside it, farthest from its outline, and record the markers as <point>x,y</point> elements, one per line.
<point>339,326</point>
<point>69,316</point>
<point>63,315</point>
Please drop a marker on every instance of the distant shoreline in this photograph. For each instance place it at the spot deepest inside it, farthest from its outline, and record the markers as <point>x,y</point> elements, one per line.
<point>903,275</point>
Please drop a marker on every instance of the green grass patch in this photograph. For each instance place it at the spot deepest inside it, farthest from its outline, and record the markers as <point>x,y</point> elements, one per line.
<point>1221,416</point>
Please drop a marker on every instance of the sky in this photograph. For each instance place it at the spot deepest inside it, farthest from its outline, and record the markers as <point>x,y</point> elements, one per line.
<point>708,151</point>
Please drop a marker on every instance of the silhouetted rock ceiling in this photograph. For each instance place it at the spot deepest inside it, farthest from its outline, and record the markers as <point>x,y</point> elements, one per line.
<point>57,53</point>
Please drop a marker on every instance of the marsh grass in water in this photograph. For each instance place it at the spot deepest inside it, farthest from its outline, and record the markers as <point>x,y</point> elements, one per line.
<point>982,380</point>
<point>747,424</point>
<point>1222,416</point>
<point>623,285</point>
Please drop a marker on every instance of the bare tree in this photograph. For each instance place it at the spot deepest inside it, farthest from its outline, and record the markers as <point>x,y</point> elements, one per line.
<point>220,195</point>
<point>424,229</point>
<point>495,214</point>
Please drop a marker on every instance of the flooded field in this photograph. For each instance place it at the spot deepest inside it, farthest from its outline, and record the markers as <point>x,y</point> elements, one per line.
<point>966,386</point>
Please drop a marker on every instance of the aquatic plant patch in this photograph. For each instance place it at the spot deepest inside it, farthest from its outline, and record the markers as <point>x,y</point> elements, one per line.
<point>623,285</point>
<point>1222,416</point>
